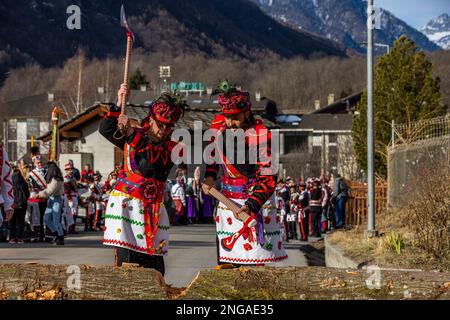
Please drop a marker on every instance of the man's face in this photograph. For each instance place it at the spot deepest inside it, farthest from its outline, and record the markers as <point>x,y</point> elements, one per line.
<point>87,168</point>
<point>69,172</point>
<point>158,129</point>
<point>38,164</point>
<point>235,121</point>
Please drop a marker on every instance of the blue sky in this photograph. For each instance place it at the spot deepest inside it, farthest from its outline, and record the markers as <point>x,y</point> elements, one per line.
<point>415,12</point>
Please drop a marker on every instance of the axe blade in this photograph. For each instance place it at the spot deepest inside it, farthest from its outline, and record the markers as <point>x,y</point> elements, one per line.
<point>124,23</point>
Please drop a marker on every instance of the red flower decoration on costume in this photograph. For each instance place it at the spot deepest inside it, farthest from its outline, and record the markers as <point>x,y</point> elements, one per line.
<point>217,219</point>
<point>278,219</point>
<point>248,246</point>
<point>148,190</point>
<point>124,205</point>
<point>230,222</point>
<point>267,220</point>
<point>270,183</point>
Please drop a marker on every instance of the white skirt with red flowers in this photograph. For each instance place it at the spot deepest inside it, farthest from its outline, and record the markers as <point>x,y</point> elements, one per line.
<point>247,249</point>
<point>125,225</point>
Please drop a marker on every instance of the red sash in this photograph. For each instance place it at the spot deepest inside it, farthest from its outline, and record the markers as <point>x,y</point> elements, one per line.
<point>148,190</point>
<point>41,183</point>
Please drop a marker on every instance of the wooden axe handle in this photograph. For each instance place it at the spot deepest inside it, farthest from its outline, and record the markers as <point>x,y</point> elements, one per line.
<point>123,103</point>
<point>231,206</point>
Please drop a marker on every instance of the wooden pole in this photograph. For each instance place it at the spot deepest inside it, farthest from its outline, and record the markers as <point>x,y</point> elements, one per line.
<point>123,103</point>
<point>231,206</point>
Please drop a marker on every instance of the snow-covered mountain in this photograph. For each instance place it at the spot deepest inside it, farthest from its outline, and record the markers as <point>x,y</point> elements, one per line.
<point>343,21</point>
<point>438,31</point>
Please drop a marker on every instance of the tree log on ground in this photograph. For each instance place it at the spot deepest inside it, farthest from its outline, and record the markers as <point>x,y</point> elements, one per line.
<point>53,282</point>
<point>316,283</point>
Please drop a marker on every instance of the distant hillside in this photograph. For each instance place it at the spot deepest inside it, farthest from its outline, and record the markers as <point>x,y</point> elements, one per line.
<point>36,32</point>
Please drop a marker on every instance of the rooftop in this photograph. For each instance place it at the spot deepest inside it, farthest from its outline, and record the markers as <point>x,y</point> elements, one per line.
<point>316,122</point>
<point>36,106</point>
<point>344,105</point>
<point>136,113</point>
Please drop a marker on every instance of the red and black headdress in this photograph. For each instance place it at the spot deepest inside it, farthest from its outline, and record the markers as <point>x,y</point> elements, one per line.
<point>232,100</point>
<point>167,109</point>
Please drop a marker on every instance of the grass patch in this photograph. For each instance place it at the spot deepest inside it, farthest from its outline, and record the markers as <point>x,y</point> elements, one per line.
<point>394,248</point>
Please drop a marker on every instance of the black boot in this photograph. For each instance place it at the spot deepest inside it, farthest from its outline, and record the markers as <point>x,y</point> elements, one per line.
<point>59,241</point>
<point>55,237</point>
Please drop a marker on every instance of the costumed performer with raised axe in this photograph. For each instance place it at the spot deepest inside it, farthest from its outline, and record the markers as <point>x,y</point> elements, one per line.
<point>136,221</point>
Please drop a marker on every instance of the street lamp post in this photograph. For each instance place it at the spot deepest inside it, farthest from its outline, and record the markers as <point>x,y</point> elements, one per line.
<point>384,45</point>
<point>371,232</point>
<point>164,73</point>
<point>388,48</point>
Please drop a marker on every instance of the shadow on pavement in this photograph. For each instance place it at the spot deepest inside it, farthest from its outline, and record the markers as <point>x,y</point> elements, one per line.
<point>314,253</point>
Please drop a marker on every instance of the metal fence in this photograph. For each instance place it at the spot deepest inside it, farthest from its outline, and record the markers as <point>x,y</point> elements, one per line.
<point>416,148</point>
<point>420,130</point>
<point>356,208</point>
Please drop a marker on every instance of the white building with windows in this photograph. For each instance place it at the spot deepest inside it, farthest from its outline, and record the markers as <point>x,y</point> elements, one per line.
<point>22,119</point>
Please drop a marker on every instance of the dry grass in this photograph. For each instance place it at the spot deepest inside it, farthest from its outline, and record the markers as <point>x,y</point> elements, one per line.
<point>379,250</point>
<point>416,236</point>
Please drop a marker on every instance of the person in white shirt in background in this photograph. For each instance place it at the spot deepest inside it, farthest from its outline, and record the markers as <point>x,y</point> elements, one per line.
<point>54,193</point>
<point>179,199</point>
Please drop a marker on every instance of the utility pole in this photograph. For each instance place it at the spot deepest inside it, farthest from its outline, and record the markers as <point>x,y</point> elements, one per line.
<point>371,232</point>
<point>107,78</point>
<point>80,73</point>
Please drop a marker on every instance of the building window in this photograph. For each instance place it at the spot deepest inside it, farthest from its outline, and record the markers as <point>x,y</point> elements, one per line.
<point>19,133</point>
<point>317,141</point>
<point>12,139</point>
<point>32,128</point>
<point>332,138</point>
<point>295,143</point>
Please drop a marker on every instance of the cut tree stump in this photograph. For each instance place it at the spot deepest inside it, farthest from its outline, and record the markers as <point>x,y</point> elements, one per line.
<point>301,283</point>
<point>55,282</point>
<point>52,282</point>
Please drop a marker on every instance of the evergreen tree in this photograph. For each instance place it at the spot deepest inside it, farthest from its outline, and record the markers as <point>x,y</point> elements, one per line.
<point>405,91</point>
<point>137,79</point>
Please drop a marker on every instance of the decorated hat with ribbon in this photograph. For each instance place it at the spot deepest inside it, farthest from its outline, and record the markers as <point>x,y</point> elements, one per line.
<point>232,100</point>
<point>167,109</point>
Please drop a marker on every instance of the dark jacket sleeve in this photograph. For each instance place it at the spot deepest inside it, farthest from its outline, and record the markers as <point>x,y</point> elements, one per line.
<point>108,127</point>
<point>21,191</point>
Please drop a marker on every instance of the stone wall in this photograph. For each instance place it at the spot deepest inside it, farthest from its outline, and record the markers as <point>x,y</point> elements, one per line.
<point>407,162</point>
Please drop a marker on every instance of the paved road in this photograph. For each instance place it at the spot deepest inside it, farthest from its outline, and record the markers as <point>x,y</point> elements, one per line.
<point>192,248</point>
